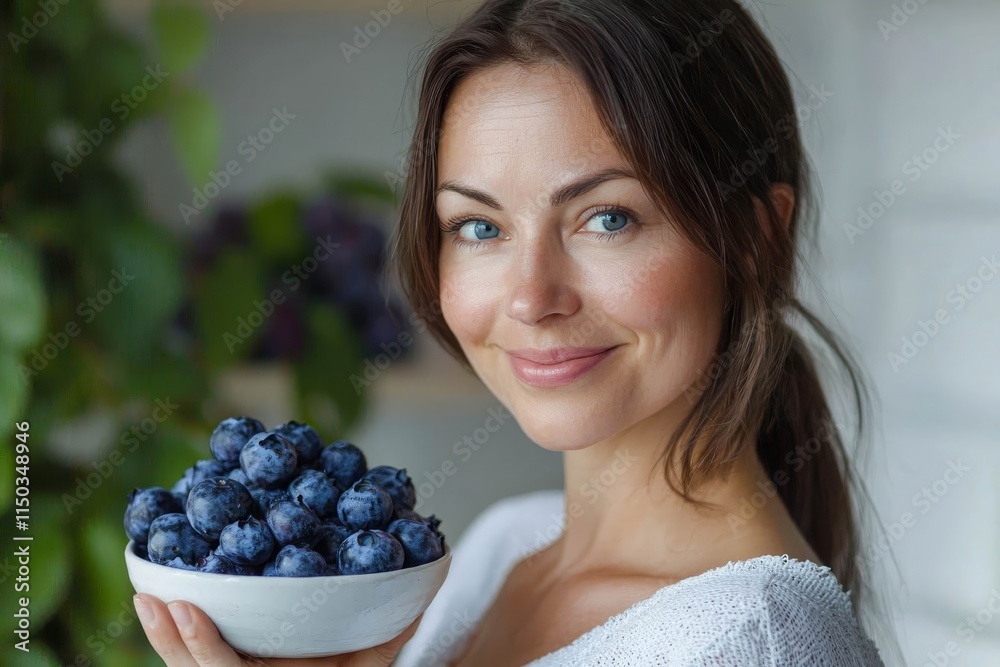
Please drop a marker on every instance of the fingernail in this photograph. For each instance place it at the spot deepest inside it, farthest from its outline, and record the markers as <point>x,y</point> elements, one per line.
<point>182,617</point>
<point>146,614</point>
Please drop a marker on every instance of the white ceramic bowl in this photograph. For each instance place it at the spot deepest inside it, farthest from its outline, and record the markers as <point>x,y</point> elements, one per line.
<point>298,617</point>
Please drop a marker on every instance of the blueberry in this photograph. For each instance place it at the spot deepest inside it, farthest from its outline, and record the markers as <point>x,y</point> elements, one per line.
<point>180,564</point>
<point>217,563</point>
<point>368,551</point>
<point>317,492</point>
<point>331,535</point>
<point>172,536</point>
<point>420,543</point>
<point>240,476</point>
<point>182,498</point>
<point>431,521</point>
<point>199,472</point>
<point>229,437</point>
<point>343,462</point>
<point>249,570</point>
<point>144,505</point>
<point>264,498</point>
<point>293,561</point>
<point>217,502</point>
<point>293,523</point>
<point>403,513</point>
<point>268,570</point>
<point>397,483</point>
<point>365,506</point>
<point>304,438</point>
<point>269,460</point>
<point>247,542</point>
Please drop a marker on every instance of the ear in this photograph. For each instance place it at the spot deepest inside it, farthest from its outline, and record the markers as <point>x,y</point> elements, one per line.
<point>783,198</point>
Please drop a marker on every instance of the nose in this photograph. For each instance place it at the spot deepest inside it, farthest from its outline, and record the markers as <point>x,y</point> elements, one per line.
<point>540,283</point>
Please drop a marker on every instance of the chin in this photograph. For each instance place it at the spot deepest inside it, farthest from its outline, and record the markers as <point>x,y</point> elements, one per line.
<point>563,428</point>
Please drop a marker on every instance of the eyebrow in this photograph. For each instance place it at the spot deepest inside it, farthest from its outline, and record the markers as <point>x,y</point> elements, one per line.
<point>556,199</point>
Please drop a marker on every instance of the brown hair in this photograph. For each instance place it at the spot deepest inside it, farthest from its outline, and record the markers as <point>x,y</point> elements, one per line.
<point>697,102</point>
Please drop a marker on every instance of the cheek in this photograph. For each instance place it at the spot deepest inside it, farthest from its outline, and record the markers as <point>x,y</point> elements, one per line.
<point>469,299</point>
<point>672,303</point>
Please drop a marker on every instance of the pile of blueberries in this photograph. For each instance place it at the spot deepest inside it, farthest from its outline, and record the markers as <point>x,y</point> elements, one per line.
<point>278,503</point>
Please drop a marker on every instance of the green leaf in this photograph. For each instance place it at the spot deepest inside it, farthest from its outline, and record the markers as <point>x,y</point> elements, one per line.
<point>181,33</point>
<point>13,397</point>
<point>70,27</point>
<point>325,370</point>
<point>22,296</point>
<point>102,542</point>
<point>223,305</point>
<point>6,471</point>
<point>145,268</point>
<point>196,133</point>
<point>275,228</point>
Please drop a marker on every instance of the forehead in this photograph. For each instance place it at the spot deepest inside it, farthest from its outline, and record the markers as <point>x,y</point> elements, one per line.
<point>538,117</point>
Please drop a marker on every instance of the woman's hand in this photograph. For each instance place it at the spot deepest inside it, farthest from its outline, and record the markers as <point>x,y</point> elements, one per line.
<point>185,637</point>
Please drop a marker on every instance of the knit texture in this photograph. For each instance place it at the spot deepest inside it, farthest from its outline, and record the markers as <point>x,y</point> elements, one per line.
<point>771,611</point>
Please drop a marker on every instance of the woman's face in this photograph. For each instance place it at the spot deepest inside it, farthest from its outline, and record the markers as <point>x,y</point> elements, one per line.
<point>576,301</point>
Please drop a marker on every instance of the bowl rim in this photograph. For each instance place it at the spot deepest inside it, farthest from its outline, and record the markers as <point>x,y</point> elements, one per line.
<point>133,559</point>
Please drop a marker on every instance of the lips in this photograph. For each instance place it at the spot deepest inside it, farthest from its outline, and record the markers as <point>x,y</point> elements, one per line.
<point>556,366</point>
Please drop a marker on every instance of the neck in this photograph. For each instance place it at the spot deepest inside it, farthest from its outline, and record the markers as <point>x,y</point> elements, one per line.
<point>622,513</point>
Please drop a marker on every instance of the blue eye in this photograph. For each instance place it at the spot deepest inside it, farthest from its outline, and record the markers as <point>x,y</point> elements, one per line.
<point>480,229</point>
<point>608,223</point>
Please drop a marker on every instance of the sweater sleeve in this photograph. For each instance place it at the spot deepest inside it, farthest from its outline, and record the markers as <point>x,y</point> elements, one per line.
<point>793,624</point>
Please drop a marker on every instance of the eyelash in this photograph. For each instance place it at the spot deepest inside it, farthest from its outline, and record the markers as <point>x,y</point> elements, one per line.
<point>454,224</point>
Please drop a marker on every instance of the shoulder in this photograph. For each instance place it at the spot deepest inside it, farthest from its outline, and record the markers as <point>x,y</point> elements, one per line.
<point>536,511</point>
<point>778,611</point>
<point>507,530</point>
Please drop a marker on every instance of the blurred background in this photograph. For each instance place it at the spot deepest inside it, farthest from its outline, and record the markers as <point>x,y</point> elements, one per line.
<point>196,200</point>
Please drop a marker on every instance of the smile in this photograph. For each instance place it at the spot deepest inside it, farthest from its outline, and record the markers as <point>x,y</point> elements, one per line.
<point>556,368</point>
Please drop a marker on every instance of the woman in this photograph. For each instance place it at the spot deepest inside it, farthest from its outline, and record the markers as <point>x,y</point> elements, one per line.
<point>601,219</point>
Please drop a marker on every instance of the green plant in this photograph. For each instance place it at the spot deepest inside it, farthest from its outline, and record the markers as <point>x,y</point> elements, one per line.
<point>90,288</point>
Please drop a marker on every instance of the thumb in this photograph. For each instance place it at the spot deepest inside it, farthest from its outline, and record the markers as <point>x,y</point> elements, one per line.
<point>383,654</point>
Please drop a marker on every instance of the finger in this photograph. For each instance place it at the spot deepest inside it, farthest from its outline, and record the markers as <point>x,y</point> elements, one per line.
<point>202,637</point>
<point>383,654</point>
<point>161,631</point>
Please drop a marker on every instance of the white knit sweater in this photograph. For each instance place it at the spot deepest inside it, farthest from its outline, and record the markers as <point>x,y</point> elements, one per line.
<point>772,611</point>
